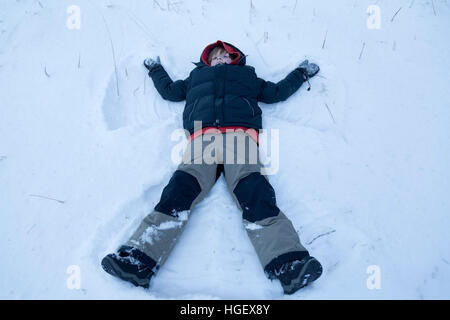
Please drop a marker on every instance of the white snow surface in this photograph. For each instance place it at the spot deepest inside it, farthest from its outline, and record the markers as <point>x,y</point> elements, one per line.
<point>85,145</point>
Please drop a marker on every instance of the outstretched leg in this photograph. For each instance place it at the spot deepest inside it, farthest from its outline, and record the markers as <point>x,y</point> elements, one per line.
<point>272,234</point>
<point>150,245</point>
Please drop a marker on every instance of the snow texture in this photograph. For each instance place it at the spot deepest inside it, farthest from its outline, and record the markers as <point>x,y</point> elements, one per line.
<point>86,148</point>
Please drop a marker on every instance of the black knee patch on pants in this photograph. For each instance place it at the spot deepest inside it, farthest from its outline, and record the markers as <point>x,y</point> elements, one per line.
<point>179,193</point>
<point>256,197</point>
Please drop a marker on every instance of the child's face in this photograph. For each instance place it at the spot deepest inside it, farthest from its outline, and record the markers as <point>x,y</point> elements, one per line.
<point>220,58</point>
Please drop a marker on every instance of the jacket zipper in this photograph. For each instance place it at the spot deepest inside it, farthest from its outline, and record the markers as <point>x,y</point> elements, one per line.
<point>193,108</point>
<point>251,107</point>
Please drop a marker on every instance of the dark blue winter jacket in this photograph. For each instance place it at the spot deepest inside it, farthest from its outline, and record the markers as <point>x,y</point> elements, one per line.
<point>225,94</point>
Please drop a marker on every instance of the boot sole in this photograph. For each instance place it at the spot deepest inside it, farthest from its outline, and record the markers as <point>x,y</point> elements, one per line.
<point>111,267</point>
<point>310,272</point>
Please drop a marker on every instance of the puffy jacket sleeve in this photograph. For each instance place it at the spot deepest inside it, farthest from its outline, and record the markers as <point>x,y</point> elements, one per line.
<point>168,89</point>
<point>270,92</point>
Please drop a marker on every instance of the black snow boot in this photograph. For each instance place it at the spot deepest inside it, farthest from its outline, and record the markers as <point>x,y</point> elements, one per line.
<point>296,274</point>
<point>131,265</point>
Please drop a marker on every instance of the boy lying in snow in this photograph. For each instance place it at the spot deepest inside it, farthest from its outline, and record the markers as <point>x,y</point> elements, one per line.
<point>223,93</point>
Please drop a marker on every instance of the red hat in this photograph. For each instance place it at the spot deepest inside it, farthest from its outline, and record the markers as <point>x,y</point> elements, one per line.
<point>234,53</point>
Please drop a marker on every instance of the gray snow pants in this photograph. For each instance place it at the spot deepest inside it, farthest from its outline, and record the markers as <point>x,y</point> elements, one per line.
<point>236,155</point>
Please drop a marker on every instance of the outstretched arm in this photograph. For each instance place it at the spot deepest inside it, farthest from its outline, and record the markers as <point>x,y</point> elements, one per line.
<point>270,92</point>
<point>168,89</point>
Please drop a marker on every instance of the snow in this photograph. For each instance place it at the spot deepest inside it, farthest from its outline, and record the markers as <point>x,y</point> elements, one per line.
<point>251,226</point>
<point>85,146</point>
<point>152,232</point>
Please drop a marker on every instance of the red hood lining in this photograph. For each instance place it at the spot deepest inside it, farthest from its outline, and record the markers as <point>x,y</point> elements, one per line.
<point>227,48</point>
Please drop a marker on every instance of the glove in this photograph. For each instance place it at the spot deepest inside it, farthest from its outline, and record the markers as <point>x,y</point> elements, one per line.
<point>309,69</point>
<point>150,63</point>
